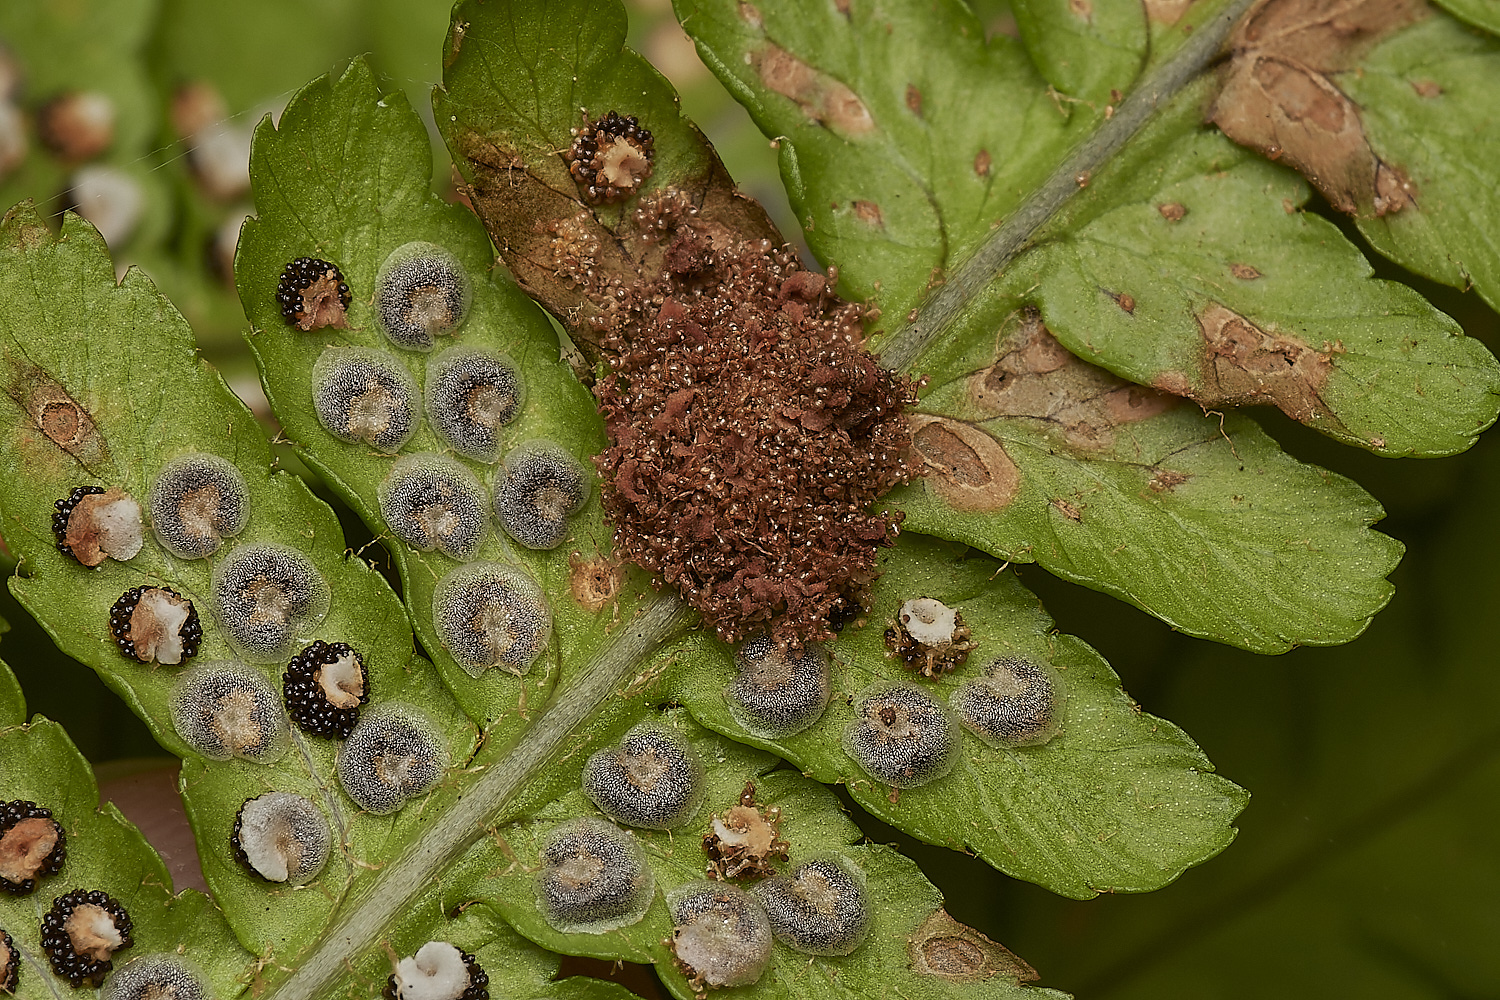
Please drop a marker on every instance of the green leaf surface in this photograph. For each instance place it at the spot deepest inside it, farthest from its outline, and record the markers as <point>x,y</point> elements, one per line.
<point>898,200</point>
<point>1480,13</point>
<point>1199,519</point>
<point>1429,99</point>
<point>138,397</point>
<point>1365,865</point>
<point>39,763</point>
<point>1085,49</point>
<point>900,898</point>
<point>346,178</point>
<point>1242,299</point>
<point>1117,801</point>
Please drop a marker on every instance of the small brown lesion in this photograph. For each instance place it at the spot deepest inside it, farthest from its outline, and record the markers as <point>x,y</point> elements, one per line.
<point>868,212</point>
<point>1172,211</point>
<point>822,98</point>
<point>983,163</point>
<point>1244,272</point>
<point>1035,376</point>
<point>945,949</point>
<point>1244,364</point>
<point>64,421</point>
<point>914,99</point>
<point>966,467</point>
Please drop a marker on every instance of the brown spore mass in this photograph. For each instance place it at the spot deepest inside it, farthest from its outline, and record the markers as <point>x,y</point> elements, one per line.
<point>749,434</point>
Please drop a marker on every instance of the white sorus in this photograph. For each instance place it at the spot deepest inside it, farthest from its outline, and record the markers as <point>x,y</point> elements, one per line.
<point>488,614</point>
<point>281,837</point>
<point>929,621</point>
<point>901,737</point>
<point>650,779</point>
<point>394,753</point>
<point>227,709</point>
<point>471,394</point>
<point>539,488</point>
<point>198,500</point>
<point>265,594</point>
<point>594,877</point>
<point>1017,703</point>
<point>438,971</point>
<point>720,935</point>
<point>819,908</point>
<point>431,501</point>
<point>777,693</point>
<point>421,292</point>
<point>162,976</point>
<point>365,396</point>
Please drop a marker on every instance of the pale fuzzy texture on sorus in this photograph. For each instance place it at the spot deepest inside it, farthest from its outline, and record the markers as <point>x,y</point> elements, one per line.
<point>227,709</point>
<point>161,976</point>
<point>594,877</point>
<point>720,935</point>
<point>818,908</point>
<point>778,693</point>
<point>471,394</point>
<point>197,501</point>
<point>540,487</point>
<point>265,594</point>
<point>365,396</point>
<point>394,754</point>
<point>421,292</point>
<point>1016,703</point>
<point>432,502</point>
<point>651,779</point>
<point>281,837</point>
<point>901,737</point>
<point>488,614</point>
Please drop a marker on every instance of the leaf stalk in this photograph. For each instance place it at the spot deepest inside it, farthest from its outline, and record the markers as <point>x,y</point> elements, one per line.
<point>443,842</point>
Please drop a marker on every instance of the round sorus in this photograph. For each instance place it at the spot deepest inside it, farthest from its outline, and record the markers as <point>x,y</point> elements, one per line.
<point>64,511</point>
<point>156,624</point>
<point>610,158</point>
<point>312,293</point>
<point>324,686</point>
<point>32,846</point>
<point>82,932</point>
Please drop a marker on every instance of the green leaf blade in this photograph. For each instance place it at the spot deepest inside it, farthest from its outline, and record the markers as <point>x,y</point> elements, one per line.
<point>1118,801</point>
<point>1427,99</point>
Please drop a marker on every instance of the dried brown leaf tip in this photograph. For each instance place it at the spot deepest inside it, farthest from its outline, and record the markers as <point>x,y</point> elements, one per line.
<point>749,434</point>
<point>1278,95</point>
<point>744,839</point>
<point>610,158</point>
